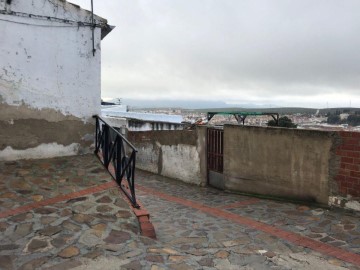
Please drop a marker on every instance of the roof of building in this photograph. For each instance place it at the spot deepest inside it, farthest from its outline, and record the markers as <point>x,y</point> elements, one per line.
<point>60,11</point>
<point>114,112</point>
<point>105,27</point>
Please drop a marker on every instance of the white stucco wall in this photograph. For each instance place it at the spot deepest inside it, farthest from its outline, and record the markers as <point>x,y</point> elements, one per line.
<point>181,162</point>
<point>46,64</point>
<point>50,81</point>
<point>147,157</point>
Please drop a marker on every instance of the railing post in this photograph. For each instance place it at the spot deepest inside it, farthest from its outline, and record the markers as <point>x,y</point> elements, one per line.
<point>133,178</point>
<point>96,134</point>
<point>118,160</point>
<point>106,145</point>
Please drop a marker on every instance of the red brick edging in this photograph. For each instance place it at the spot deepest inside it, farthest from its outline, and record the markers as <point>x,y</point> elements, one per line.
<point>237,204</point>
<point>143,216</point>
<point>286,235</point>
<point>146,227</point>
<point>46,202</point>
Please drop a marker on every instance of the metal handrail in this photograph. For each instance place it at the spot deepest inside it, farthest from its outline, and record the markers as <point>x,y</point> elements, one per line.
<point>117,155</point>
<point>113,129</point>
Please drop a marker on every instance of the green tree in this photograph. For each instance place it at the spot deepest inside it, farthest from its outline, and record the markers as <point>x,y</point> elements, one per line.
<point>333,119</point>
<point>284,121</point>
<point>353,120</point>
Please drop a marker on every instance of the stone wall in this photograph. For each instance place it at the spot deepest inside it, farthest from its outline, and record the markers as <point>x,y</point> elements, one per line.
<point>178,154</point>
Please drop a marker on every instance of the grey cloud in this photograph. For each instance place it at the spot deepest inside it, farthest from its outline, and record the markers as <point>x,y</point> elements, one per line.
<point>243,48</point>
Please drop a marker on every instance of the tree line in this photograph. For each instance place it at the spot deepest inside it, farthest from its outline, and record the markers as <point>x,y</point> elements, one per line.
<point>352,120</point>
<point>284,121</point>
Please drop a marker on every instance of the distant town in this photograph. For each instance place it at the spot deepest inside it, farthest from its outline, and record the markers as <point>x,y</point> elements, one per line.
<point>304,118</point>
<point>346,118</point>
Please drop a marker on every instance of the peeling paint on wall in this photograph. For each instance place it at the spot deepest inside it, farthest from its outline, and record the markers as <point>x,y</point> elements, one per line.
<point>41,151</point>
<point>345,202</point>
<point>23,111</point>
<point>148,157</point>
<point>181,162</point>
<point>49,79</point>
<point>28,133</point>
<point>52,66</point>
<point>175,154</point>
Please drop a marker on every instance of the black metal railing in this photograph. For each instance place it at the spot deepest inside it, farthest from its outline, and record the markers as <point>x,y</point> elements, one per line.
<point>118,156</point>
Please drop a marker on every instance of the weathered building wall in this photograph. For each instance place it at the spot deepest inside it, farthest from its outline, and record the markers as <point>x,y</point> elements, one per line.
<point>279,162</point>
<point>175,154</point>
<point>49,80</point>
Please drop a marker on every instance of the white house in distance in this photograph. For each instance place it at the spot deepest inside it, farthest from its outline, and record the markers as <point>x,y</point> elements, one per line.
<point>49,77</point>
<point>118,116</point>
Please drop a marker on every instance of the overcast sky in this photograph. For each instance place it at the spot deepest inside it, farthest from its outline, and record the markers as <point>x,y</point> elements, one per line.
<point>283,52</point>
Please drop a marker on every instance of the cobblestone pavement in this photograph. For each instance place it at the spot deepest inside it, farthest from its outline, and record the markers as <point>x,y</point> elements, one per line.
<point>207,236</point>
<point>65,213</point>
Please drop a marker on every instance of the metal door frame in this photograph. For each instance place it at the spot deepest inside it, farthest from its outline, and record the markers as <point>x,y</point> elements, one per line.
<point>215,156</point>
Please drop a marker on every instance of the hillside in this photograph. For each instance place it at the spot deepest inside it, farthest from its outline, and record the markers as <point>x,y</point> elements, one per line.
<point>284,110</point>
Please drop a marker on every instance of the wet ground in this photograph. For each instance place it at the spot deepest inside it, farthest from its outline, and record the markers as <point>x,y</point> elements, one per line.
<point>66,213</point>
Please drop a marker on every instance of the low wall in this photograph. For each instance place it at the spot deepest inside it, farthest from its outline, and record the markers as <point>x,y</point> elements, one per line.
<point>177,153</point>
<point>310,165</point>
<point>280,162</point>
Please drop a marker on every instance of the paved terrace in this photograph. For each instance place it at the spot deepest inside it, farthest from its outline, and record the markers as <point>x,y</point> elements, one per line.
<point>65,213</point>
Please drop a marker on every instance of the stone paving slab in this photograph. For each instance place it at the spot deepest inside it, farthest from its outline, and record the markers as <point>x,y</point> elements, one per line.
<point>335,227</point>
<point>89,226</point>
<point>98,224</point>
<point>329,225</point>
<point>23,182</point>
<point>98,230</point>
